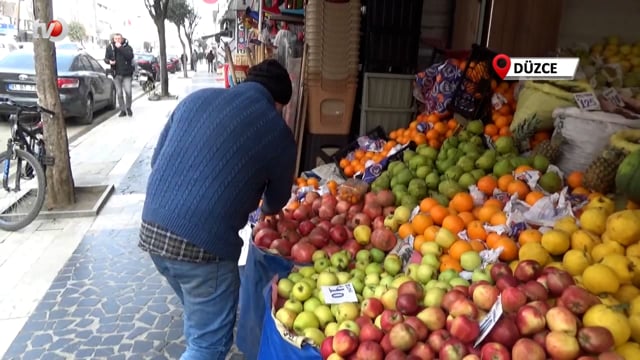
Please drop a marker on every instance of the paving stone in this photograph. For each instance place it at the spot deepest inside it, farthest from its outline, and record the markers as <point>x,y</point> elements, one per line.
<point>147,318</point>
<point>89,302</point>
<point>163,321</point>
<point>110,307</point>
<point>93,341</point>
<point>58,314</point>
<point>85,323</point>
<point>159,308</point>
<point>84,353</point>
<point>81,312</point>
<point>174,350</point>
<point>33,354</point>
<point>137,332</point>
<point>112,340</point>
<point>107,328</point>
<point>84,334</point>
<point>52,356</point>
<point>125,347</point>
<point>142,346</point>
<point>41,340</point>
<point>74,346</point>
<point>63,325</point>
<point>104,351</point>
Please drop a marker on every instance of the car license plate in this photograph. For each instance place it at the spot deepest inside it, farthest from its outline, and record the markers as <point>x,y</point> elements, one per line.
<point>21,87</point>
<point>143,77</point>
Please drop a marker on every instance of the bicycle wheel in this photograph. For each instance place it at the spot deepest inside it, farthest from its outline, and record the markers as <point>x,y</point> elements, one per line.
<point>21,197</point>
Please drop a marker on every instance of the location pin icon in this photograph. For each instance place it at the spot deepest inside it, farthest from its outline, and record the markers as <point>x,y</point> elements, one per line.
<point>501,65</point>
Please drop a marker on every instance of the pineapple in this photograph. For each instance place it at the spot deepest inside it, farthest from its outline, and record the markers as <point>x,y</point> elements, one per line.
<point>600,176</point>
<point>550,148</point>
<point>524,131</point>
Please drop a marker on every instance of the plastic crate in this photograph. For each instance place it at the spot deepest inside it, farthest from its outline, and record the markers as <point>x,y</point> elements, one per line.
<point>472,98</point>
<point>387,101</point>
<point>377,134</point>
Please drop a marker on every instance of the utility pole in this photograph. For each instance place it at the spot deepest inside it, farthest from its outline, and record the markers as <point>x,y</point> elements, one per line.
<point>19,36</point>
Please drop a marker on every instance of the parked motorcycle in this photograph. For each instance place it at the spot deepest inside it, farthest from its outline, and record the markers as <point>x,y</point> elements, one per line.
<point>146,79</point>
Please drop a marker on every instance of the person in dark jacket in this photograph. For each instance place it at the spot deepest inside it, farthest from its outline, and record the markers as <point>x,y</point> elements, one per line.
<point>239,150</point>
<point>120,56</point>
<point>211,57</point>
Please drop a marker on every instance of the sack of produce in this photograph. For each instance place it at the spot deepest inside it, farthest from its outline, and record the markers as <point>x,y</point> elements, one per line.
<point>541,98</point>
<point>437,86</point>
<point>276,341</point>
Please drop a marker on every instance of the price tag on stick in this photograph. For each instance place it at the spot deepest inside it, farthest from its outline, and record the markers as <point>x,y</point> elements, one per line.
<point>587,101</point>
<point>489,321</point>
<point>339,294</point>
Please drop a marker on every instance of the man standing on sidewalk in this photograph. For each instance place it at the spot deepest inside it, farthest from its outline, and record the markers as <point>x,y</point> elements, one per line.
<point>120,56</point>
<point>211,58</point>
<point>201,192</point>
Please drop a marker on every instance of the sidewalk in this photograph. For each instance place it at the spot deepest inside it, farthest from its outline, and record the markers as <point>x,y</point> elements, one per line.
<point>79,288</point>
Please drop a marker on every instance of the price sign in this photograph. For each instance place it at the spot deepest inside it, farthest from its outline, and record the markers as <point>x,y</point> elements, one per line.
<point>490,320</point>
<point>339,294</point>
<point>612,95</point>
<point>587,101</point>
<point>404,250</point>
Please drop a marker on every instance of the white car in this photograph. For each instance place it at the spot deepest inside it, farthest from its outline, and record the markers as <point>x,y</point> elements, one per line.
<point>7,45</point>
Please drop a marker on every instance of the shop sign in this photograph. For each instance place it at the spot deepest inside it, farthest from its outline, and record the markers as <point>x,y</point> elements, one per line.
<point>241,34</point>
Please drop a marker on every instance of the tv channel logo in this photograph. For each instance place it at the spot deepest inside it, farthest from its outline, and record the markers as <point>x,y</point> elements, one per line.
<point>54,30</point>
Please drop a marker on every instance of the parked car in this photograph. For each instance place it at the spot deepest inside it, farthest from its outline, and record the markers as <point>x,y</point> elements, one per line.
<point>7,45</point>
<point>148,62</point>
<point>173,61</point>
<point>82,82</point>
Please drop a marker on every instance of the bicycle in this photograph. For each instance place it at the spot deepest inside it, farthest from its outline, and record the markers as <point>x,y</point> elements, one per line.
<point>25,150</point>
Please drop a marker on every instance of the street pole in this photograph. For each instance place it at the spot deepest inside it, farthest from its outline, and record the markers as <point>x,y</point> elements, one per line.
<point>18,22</point>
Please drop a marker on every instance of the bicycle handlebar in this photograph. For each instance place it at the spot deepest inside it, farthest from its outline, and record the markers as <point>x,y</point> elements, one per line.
<point>36,108</point>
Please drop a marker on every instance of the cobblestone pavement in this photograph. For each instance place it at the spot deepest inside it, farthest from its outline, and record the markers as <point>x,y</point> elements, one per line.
<point>108,301</point>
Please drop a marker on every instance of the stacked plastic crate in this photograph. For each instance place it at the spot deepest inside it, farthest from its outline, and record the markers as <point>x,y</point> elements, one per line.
<point>332,33</point>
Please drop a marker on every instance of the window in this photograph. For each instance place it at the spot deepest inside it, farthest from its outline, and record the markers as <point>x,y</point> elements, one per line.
<point>95,65</point>
<point>23,60</point>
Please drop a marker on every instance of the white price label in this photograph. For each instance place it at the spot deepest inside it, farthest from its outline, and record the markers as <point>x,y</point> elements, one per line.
<point>404,249</point>
<point>612,95</point>
<point>339,294</point>
<point>587,101</point>
<point>490,320</point>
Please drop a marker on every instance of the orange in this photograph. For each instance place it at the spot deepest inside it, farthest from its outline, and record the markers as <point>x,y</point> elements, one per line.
<point>504,131</point>
<point>522,168</point>
<point>435,143</point>
<point>478,245</point>
<point>505,109</point>
<point>452,124</point>
<point>510,248</point>
<point>487,184</point>
<point>433,118</point>
<point>438,213</point>
<point>494,202</point>
<point>476,231</point>
<point>491,130</point>
<point>359,154</point>
<point>433,134</point>
<point>492,239</point>
<point>541,136</point>
<point>418,241</point>
<point>499,218</point>
<point>420,223</point>
<point>349,171</point>
<point>466,216</point>
<point>529,236</point>
<point>419,139</point>
<point>453,223</point>
<point>518,187</point>
<point>332,185</point>
<point>430,232</point>
<point>313,182</point>
<point>462,202</point>
<point>344,163</point>
<point>441,127</point>
<point>581,191</point>
<point>533,197</point>
<point>447,262</point>
<point>393,134</point>
<point>405,230</point>
<point>486,213</point>
<point>575,179</point>
<point>458,248</point>
<point>502,121</point>
<point>427,203</point>
<point>504,181</point>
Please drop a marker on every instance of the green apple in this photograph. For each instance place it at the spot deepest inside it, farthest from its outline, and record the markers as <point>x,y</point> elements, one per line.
<point>317,293</point>
<point>324,315</point>
<point>326,278</point>
<point>286,317</point>
<point>321,264</point>
<point>343,277</point>
<point>307,271</point>
<point>386,280</point>
<point>447,275</point>
<point>368,291</point>
<point>391,223</point>
<point>481,274</point>
<point>334,309</point>
<point>358,285</point>
<point>389,298</point>
<point>362,234</point>
<point>426,273</point>
<point>347,311</point>
<point>331,329</point>
<point>295,277</point>
<point>305,320</point>
<point>458,281</point>
<point>373,268</point>
<point>412,271</point>
<point>332,269</point>
<point>445,238</point>
<point>380,290</point>
<point>431,259</point>
<point>284,287</point>
<point>377,255</point>
<point>361,265</point>
<point>399,280</point>
<point>470,260</point>
<point>302,290</point>
<point>392,264</point>
<point>311,304</point>
<point>340,260</point>
<point>402,214</point>
<point>316,335</point>
<point>310,281</point>
<point>372,279</point>
<point>433,297</point>
<point>430,247</point>
<point>293,305</point>
<point>358,273</point>
<point>431,284</point>
<point>350,325</point>
<point>444,285</point>
<point>363,255</point>
<point>319,254</point>
<point>360,298</point>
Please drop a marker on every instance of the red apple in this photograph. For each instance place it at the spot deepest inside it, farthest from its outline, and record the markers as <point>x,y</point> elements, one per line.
<point>369,350</point>
<point>528,349</point>
<point>352,247</point>
<point>542,306</point>
<point>345,342</point>
<point>513,299</point>
<point>540,336</point>
<point>402,336</point>
<point>386,344</point>
<point>560,345</point>
<point>265,236</point>
<point>561,319</point>
<point>595,339</point>
<point>433,317</point>
<point>407,304</point>
<point>385,198</point>
<point>588,357</point>
<point>418,326</point>
<point>383,239</point>
<point>504,332</point>
<point>464,306</point>
<point>305,227</point>
<point>371,308</point>
<point>530,320</point>
<point>610,355</point>
<point>451,297</point>
<point>372,210</point>
<point>499,270</point>
<point>438,339</point>
<point>302,252</point>
<point>359,219</point>
<point>484,296</point>
<point>465,328</point>
<point>370,332</point>
<point>342,207</point>
<point>411,287</point>
<point>543,280</point>
<point>453,349</point>
<point>495,351</point>
<point>422,351</point>
<point>471,357</point>
<point>533,290</point>
<point>506,281</point>
<point>577,299</point>
<point>338,233</point>
<point>389,318</point>
<point>527,270</point>
<point>282,246</point>
<point>291,236</point>
<point>558,281</point>
<point>474,285</point>
<point>462,288</point>
<point>396,354</point>
<point>326,348</point>
<point>362,320</point>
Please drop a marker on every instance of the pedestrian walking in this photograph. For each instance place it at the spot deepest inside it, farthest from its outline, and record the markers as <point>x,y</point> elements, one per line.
<point>119,55</point>
<point>200,193</point>
<point>211,62</point>
<point>194,61</point>
<point>183,58</point>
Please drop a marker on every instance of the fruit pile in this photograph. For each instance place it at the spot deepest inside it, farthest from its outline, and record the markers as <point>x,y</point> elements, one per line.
<point>428,129</point>
<point>613,51</point>
<point>504,106</point>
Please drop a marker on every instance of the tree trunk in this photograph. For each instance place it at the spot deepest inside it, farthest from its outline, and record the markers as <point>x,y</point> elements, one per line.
<point>184,51</point>
<point>194,59</point>
<point>60,186</point>
<point>162,43</point>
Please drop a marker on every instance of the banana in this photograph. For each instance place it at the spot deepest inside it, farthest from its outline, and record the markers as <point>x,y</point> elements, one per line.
<point>626,140</point>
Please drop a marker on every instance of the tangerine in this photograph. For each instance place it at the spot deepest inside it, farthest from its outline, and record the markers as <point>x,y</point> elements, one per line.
<point>478,245</point>
<point>476,231</point>
<point>453,223</point>
<point>462,202</point>
<point>504,181</point>
<point>486,213</point>
<point>499,218</point>
<point>529,235</point>
<point>427,203</point>
<point>494,202</point>
<point>430,232</point>
<point>518,187</point>
<point>405,230</point>
<point>487,184</point>
<point>467,217</point>
<point>533,197</point>
<point>491,130</point>
<point>458,248</point>
<point>420,223</point>
<point>448,262</point>
<point>438,214</point>
<point>418,241</point>
<point>509,248</point>
<point>575,179</point>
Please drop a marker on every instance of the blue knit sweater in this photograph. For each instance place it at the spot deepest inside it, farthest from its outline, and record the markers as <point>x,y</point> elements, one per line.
<point>219,153</point>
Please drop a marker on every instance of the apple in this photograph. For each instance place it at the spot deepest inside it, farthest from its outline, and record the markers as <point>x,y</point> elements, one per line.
<point>362,320</point>
<point>340,260</point>
<point>561,319</point>
<point>504,332</point>
<point>293,305</point>
<point>345,342</point>
<point>383,239</point>
<point>350,325</point>
<point>395,354</point>
<point>462,307</point>
<point>560,345</point>
<point>471,357</point>
<point>533,290</point>
<point>316,335</point>
<point>527,270</point>
<point>285,286</point>
<point>418,326</point>
<point>402,336</point>
<point>324,315</point>
<point>407,304</point>
<point>558,281</point>
<point>331,329</point>
<point>495,351</point>
<point>577,299</point>
<point>484,296</point>
<point>326,278</point>
<point>530,320</point>
<point>451,297</point>
<point>470,260</point>
<point>540,336</point>
<point>465,328</point>
<point>412,288</point>
<point>305,227</point>
<point>433,297</point>
<point>347,311</point>
<point>343,277</point>
<point>610,355</point>
<point>321,264</point>
<point>304,320</point>
<point>513,299</point>
<point>453,349</point>
<point>499,270</point>
<point>422,351</point>
<point>311,304</point>
<point>433,317</point>
<point>506,281</point>
<point>399,280</point>
<point>481,275</point>
<point>369,350</point>
<point>302,252</point>
<point>371,308</point>
<point>352,247</point>
<point>264,237</point>
<point>392,264</point>
<point>431,247</point>
<point>301,291</point>
<point>528,349</point>
<point>338,233</point>
<point>460,284</point>
<point>595,339</point>
<point>542,306</point>
<point>286,317</point>
<point>438,339</point>
<point>370,332</point>
<point>335,356</point>
<point>389,318</point>
<point>326,348</point>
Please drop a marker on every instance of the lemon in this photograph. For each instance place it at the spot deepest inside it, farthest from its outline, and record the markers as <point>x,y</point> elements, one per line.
<point>636,270</point>
<point>578,280</point>
<point>566,224</point>
<point>584,240</point>
<point>634,324</point>
<point>534,251</point>
<point>629,351</point>
<point>621,265</point>
<point>513,265</point>
<point>556,242</point>
<point>608,300</point>
<point>594,220</point>
<point>606,237</point>
<point>575,261</point>
<point>599,278</point>
<point>634,306</point>
<point>624,227</point>
<point>556,264</point>
<point>633,250</point>
<point>610,318</point>
<point>602,202</point>
<point>601,250</point>
<point>627,293</point>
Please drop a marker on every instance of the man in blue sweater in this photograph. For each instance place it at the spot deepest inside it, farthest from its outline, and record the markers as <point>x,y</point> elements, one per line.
<point>221,151</point>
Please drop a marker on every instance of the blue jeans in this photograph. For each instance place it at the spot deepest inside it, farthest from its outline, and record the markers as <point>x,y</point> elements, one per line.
<point>209,295</point>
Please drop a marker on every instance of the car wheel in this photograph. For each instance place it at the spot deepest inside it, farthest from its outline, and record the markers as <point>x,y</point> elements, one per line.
<point>112,100</point>
<point>87,118</point>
